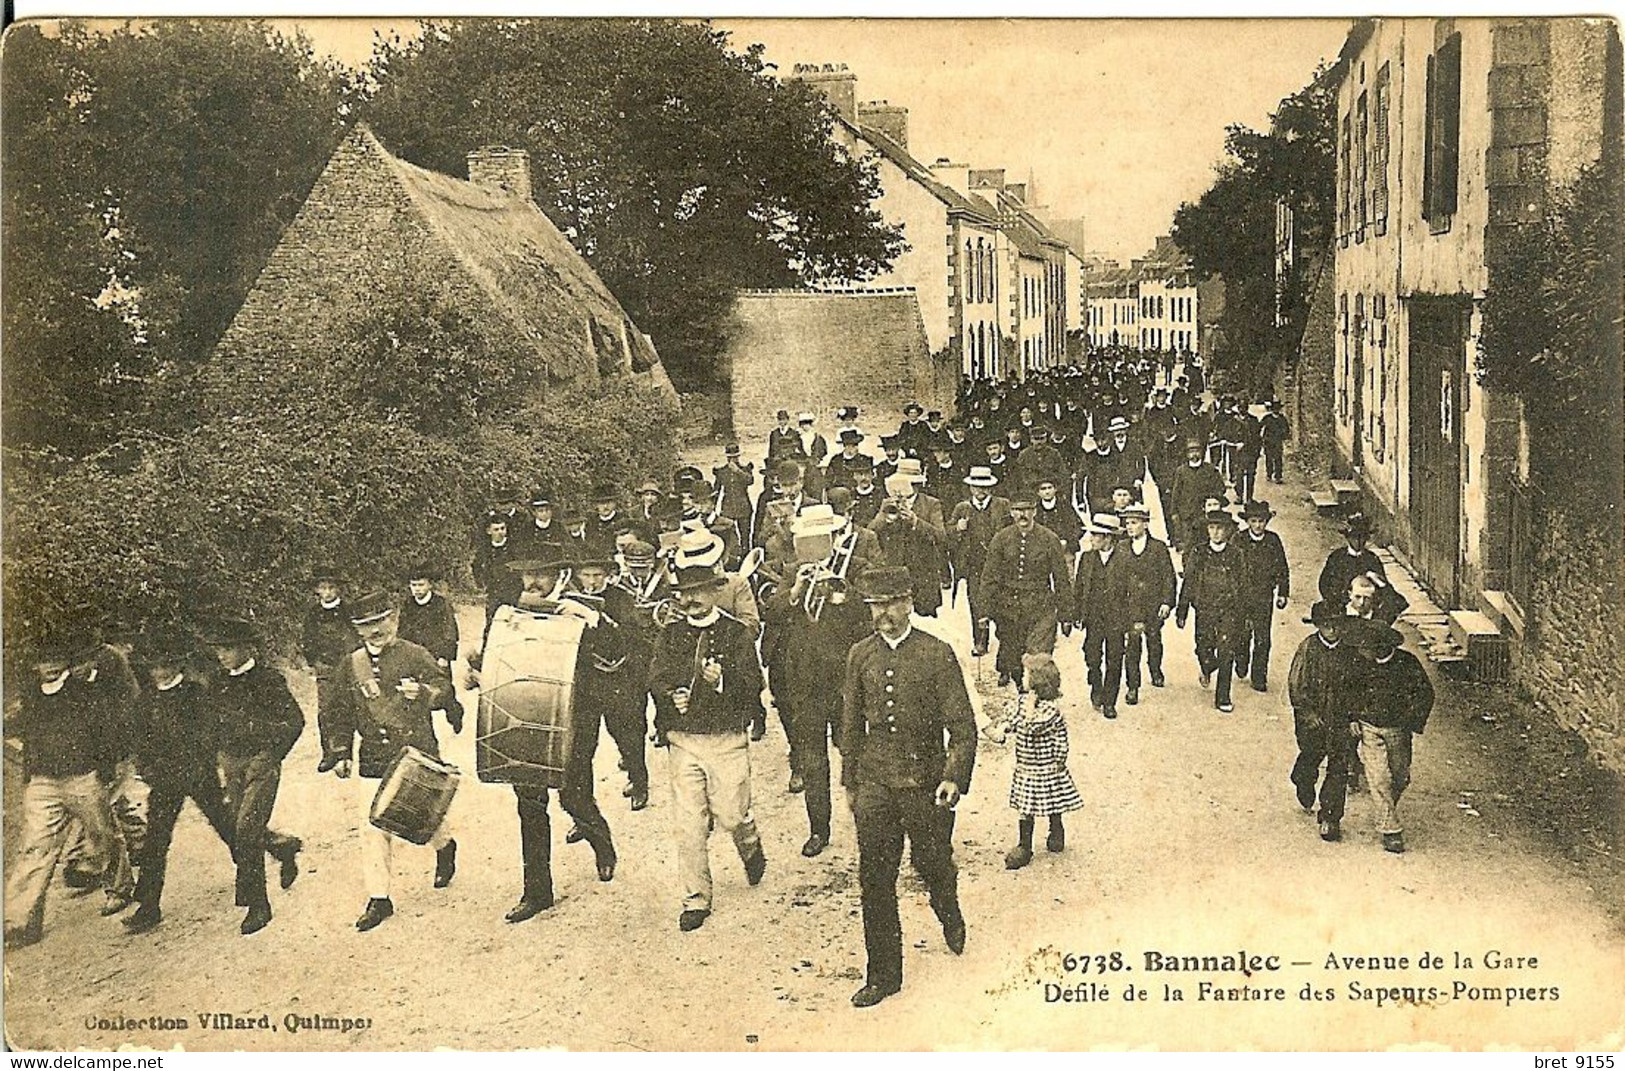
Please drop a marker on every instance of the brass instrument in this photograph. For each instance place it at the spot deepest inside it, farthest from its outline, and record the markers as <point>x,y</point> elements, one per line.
<point>828,576</point>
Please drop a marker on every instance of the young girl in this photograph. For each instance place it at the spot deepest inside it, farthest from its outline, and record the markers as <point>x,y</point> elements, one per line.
<point>1041,783</point>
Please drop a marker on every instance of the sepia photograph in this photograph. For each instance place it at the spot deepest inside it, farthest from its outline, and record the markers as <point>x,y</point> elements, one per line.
<point>760,534</point>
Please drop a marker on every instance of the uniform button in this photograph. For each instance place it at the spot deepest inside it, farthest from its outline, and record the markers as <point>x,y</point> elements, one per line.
<point>894,728</point>
<point>888,673</point>
<point>889,703</point>
<point>889,688</point>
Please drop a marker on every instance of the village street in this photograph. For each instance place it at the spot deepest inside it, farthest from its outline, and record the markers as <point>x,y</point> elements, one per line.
<point>1190,844</point>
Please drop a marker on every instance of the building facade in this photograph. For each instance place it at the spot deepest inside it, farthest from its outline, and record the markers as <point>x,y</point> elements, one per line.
<point>1454,136</point>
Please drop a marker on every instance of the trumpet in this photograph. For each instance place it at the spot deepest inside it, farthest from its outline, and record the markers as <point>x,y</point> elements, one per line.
<point>827,577</point>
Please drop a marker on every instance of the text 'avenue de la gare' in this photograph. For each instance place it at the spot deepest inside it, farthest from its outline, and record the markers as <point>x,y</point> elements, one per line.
<point>1253,988</point>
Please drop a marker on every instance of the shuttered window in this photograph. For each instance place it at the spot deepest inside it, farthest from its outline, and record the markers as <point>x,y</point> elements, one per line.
<point>1379,153</point>
<point>1441,162</point>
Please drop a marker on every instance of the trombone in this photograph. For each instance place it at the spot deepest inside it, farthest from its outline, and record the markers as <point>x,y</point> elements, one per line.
<point>828,576</point>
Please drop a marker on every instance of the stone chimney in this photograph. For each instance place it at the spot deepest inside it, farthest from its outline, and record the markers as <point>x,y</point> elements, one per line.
<point>1018,190</point>
<point>839,86</point>
<point>890,119</point>
<point>987,178</point>
<point>954,176</point>
<point>498,167</point>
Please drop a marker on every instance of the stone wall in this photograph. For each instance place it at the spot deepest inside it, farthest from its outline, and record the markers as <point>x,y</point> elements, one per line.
<point>1306,388</point>
<point>816,351</point>
<point>1571,657</point>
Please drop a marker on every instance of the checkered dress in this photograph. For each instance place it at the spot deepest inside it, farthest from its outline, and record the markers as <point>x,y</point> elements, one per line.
<point>1041,785</point>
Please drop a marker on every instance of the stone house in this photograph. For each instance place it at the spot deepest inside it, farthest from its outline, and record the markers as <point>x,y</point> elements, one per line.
<point>1453,133</point>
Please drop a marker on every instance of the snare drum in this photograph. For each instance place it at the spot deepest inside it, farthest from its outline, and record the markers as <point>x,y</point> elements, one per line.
<point>527,698</point>
<point>414,795</point>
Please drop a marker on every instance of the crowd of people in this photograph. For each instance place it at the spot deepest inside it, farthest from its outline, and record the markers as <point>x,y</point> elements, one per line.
<point>712,604</point>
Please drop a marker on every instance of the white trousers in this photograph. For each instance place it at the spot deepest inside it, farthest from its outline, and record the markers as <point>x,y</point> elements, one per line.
<point>377,847</point>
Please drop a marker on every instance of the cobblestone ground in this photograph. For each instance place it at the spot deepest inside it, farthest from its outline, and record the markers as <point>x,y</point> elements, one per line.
<point>1190,844</point>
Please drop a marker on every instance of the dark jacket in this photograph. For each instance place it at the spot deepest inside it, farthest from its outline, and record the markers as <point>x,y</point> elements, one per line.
<point>1321,684</point>
<point>257,712</point>
<point>896,707</point>
<point>389,722</point>
<point>1027,571</point>
<point>679,655</point>
<point>1063,520</point>
<point>814,653</point>
<point>491,570</point>
<point>1149,581</point>
<point>1395,694</point>
<point>1214,580</point>
<point>432,626</point>
<point>328,636</point>
<point>969,548</point>
<point>1191,487</point>
<point>179,737</point>
<point>84,727</point>
<point>1100,595</point>
<point>1273,429</point>
<point>1267,573</point>
<point>920,547</point>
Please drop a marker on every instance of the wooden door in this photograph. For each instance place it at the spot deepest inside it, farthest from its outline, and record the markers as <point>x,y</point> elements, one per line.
<point>1437,370</point>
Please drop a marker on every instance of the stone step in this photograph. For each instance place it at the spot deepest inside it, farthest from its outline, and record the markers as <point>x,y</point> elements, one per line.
<point>1325,501</point>
<point>1499,608</point>
<point>1347,491</point>
<point>1486,648</point>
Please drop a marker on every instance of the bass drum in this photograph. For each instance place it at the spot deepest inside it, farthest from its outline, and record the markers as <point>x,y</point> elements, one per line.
<point>527,696</point>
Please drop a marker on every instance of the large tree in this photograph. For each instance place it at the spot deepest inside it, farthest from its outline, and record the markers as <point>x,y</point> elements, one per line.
<point>678,165</point>
<point>1229,231</point>
<point>150,171</point>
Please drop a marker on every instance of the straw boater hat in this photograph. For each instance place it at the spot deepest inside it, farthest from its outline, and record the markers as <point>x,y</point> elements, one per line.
<point>817,519</point>
<point>1134,511</point>
<point>910,467</point>
<point>1105,524</point>
<point>980,476</point>
<point>698,549</point>
<point>1117,424</point>
<point>805,418</point>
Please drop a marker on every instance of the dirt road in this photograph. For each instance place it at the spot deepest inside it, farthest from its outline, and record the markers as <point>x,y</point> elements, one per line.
<point>1191,844</point>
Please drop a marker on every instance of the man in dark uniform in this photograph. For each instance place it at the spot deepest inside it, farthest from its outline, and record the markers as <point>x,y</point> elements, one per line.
<point>1215,584</point>
<point>490,566</point>
<point>1152,593</point>
<point>838,469</point>
<point>912,533</point>
<point>606,519</point>
<point>943,478</point>
<point>1268,585</point>
<point>1058,515</point>
<point>781,441</point>
<point>1038,462</point>
<point>787,483</point>
<point>541,526</point>
<point>912,435</point>
<point>1347,564</point>
<point>971,530</point>
<point>867,497</point>
<point>814,653</point>
<point>259,723</point>
<point>428,620</point>
<point>1273,430</point>
<point>904,692</point>
<point>615,663</point>
<point>178,755</point>
<point>1161,439</point>
<point>1321,686</point>
<point>733,480</point>
<point>388,689</point>
<point>892,452</point>
<point>326,638</point>
<point>1194,483</point>
<point>1026,580</point>
<point>1100,605</point>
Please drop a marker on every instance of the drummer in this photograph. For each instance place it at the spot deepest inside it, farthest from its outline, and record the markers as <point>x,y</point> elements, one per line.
<point>385,692</point>
<point>545,592</point>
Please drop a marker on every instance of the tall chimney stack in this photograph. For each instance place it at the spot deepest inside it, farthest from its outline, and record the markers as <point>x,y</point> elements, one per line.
<point>954,176</point>
<point>498,167</point>
<point>839,86</point>
<point>890,119</point>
